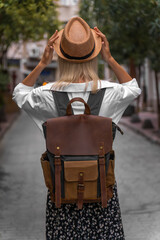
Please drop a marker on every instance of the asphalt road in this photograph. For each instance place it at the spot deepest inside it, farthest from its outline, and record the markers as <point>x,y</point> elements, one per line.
<point>23,193</point>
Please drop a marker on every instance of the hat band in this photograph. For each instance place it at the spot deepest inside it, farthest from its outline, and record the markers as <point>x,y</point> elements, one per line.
<point>76,58</point>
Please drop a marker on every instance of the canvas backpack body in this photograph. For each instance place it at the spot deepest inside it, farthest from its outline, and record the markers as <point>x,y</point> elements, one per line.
<point>78,165</point>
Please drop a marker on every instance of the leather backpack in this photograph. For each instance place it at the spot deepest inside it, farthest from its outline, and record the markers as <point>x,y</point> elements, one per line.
<point>78,165</point>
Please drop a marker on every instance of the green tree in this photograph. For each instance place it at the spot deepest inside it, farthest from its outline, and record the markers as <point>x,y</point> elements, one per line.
<point>25,20</point>
<point>154,50</point>
<point>126,24</point>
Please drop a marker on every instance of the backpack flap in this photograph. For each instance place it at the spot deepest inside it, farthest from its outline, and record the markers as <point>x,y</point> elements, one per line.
<point>79,134</point>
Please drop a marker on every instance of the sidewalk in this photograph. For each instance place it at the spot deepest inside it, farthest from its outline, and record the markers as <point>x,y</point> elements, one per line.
<point>150,134</point>
<point>4,126</point>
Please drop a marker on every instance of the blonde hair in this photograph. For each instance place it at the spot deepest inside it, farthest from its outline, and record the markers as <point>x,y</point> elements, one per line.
<point>69,72</point>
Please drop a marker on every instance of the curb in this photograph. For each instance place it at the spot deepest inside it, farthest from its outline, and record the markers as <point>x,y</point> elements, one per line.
<point>148,135</point>
<point>4,126</point>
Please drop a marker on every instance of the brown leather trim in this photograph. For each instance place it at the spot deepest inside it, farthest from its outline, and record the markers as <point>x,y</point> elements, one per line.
<point>79,134</point>
<point>57,163</point>
<point>102,175</point>
<point>69,109</point>
<point>80,190</point>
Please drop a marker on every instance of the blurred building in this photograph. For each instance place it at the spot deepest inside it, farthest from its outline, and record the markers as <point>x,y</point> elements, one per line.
<point>149,88</point>
<point>24,56</point>
<point>68,9</point>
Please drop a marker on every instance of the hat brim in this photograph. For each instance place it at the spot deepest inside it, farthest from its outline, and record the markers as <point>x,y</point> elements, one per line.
<point>98,45</point>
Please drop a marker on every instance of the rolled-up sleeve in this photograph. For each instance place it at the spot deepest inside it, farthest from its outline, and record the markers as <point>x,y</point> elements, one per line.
<point>36,102</point>
<point>127,92</point>
<point>26,97</point>
<point>31,101</point>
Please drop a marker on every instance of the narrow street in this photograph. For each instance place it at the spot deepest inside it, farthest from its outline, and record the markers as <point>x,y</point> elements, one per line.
<point>23,193</point>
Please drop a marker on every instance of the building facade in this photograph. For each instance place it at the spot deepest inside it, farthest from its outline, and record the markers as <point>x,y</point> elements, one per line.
<point>24,56</point>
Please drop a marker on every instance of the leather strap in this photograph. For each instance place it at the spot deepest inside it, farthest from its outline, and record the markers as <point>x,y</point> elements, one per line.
<point>80,190</point>
<point>57,162</point>
<point>102,175</point>
<point>69,110</point>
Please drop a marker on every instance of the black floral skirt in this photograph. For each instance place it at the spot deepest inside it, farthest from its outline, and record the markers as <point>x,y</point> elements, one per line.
<point>91,222</point>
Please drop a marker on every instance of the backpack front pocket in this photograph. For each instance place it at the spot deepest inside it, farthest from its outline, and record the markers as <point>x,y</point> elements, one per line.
<point>72,169</point>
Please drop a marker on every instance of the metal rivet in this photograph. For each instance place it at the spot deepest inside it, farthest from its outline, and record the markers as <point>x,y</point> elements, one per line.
<point>58,147</point>
<point>101,147</point>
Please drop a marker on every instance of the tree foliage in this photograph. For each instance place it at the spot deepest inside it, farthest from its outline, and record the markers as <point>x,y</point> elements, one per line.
<point>25,20</point>
<point>126,23</point>
<point>133,30</point>
<point>154,35</point>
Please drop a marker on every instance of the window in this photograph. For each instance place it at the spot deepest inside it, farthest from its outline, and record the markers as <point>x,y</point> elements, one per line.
<point>68,2</point>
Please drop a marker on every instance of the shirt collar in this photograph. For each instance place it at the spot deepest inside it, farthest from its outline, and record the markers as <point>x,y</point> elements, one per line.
<point>80,87</point>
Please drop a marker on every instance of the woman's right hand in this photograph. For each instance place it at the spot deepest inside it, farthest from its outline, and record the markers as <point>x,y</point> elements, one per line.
<point>48,52</point>
<point>105,51</point>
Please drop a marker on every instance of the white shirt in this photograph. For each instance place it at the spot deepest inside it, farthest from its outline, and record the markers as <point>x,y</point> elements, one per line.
<point>40,105</point>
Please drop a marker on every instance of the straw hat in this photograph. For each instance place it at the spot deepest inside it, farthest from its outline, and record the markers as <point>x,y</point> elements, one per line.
<point>77,42</point>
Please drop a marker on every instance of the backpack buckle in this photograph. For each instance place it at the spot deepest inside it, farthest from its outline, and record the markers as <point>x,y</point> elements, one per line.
<point>80,186</point>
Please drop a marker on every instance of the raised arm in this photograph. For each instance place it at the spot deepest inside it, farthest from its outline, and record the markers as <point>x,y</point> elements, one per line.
<point>119,71</point>
<point>46,59</point>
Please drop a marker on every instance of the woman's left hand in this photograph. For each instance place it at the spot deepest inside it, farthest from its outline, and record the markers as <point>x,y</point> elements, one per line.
<point>105,50</point>
<point>48,52</point>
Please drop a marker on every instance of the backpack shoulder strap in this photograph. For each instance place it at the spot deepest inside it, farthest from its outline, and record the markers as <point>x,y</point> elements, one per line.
<point>94,101</point>
<point>61,101</point>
